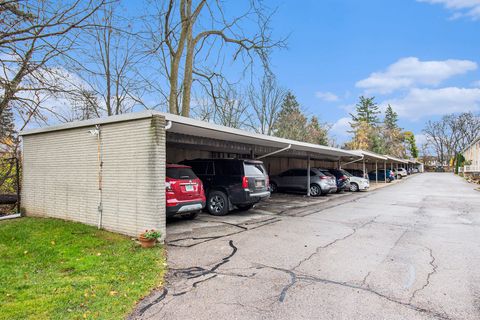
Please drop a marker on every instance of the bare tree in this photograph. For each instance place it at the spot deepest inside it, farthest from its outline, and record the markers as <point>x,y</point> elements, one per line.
<point>451,134</point>
<point>107,62</point>
<point>195,37</point>
<point>33,35</point>
<point>266,103</point>
<point>229,108</point>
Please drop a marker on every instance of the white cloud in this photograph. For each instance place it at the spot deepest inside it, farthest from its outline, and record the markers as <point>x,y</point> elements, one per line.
<point>420,103</point>
<point>340,129</point>
<point>410,72</point>
<point>326,96</point>
<point>460,8</point>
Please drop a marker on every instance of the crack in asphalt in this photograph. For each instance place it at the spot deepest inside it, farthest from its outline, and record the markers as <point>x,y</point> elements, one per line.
<point>313,279</point>
<point>319,248</point>
<point>381,295</point>
<point>429,275</point>
<point>261,223</point>
<point>196,272</point>
<point>162,296</point>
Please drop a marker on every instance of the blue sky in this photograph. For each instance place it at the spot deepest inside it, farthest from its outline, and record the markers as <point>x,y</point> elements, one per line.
<point>421,56</point>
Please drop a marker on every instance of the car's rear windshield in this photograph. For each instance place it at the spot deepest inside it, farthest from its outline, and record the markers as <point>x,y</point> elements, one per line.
<point>181,173</point>
<point>254,169</point>
<point>325,172</point>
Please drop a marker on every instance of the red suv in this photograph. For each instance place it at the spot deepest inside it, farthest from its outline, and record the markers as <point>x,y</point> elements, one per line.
<point>184,191</point>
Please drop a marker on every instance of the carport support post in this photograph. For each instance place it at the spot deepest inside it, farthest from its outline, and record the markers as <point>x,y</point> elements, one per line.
<point>364,168</point>
<point>376,171</point>
<point>385,167</point>
<point>308,176</point>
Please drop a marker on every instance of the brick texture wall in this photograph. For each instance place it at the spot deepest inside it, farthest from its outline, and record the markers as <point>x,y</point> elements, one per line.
<point>60,175</point>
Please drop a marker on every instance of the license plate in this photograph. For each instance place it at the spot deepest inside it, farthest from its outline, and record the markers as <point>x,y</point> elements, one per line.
<point>259,184</point>
<point>189,187</point>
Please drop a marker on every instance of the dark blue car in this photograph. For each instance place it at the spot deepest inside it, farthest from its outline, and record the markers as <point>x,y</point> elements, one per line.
<point>381,175</point>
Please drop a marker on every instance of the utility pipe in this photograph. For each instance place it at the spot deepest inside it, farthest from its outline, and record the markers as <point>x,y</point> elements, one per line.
<point>275,152</point>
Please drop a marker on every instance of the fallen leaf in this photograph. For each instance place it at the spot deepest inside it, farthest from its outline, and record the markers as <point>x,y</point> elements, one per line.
<point>52,242</point>
<point>112,293</point>
<point>25,252</point>
<point>99,254</point>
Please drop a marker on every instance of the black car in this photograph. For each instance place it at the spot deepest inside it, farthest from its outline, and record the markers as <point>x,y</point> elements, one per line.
<point>343,182</point>
<point>231,183</point>
<point>356,172</point>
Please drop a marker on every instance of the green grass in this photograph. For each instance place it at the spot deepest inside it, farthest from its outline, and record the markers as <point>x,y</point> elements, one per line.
<point>54,269</point>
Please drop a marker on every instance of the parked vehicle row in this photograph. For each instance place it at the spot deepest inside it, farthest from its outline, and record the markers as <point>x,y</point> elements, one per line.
<point>322,181</point>
<point>297,179</point>
<point>223,185</point>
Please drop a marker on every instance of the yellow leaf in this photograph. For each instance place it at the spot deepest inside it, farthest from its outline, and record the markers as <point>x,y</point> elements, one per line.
<point>99,254</point>
<point>112,293</point>
<point>52,242</point>
<point>25,252</point>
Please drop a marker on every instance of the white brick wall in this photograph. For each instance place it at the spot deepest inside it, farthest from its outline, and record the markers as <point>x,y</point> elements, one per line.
<point>60,175</point>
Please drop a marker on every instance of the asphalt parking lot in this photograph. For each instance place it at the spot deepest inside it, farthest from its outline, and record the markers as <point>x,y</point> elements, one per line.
<point>408,251</point>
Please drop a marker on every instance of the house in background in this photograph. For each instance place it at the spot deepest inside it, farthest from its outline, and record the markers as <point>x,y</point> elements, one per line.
<point>472,159</point>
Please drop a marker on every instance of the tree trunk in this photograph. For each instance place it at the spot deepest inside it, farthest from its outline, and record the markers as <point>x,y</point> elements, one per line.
<point>188,76</point>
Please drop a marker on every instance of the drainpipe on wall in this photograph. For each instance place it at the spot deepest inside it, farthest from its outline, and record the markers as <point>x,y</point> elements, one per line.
<point>97,133</point>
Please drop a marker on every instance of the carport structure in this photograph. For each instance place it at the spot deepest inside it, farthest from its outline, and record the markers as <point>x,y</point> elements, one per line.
<point>396,163</point>
<point>188,138</point>
<point>369,161</point>
<point>110,172</point>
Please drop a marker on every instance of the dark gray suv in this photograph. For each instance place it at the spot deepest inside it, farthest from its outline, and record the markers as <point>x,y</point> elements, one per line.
<point>296,180</point>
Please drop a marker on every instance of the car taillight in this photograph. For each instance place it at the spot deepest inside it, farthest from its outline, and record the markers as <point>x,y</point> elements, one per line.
<point>168,186</point>
<point>343,178</point>
<point>244,182</point>
<point>324,177</point>
<point>267,181</point>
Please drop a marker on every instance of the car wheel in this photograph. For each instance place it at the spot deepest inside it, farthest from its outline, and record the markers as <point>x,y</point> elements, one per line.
<point>246,207</point>
<point>273,187</point>
<point>191,215</point>
<point>315,190</point>
<point>354,187</point>
<point>217,203</point>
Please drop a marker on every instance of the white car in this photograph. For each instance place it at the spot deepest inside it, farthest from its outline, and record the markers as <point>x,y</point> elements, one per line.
<point>400,172</point>
<point>357,183</point>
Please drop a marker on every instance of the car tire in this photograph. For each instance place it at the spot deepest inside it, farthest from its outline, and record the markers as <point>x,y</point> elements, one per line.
<point>191,215</point>
<point>315,190</point>
<point>245,207</point>
<point>217,203</point>
<point>354,187</point>
<point>273,187</point>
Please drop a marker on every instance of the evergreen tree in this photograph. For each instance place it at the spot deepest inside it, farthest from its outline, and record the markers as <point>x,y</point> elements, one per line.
<point>411,144</point>
<point>365,126</point>
<point>366,111</point>
<point>316,133</point>
<point>393,137</point>
<point>391,119</point>
<point>291,121</point>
